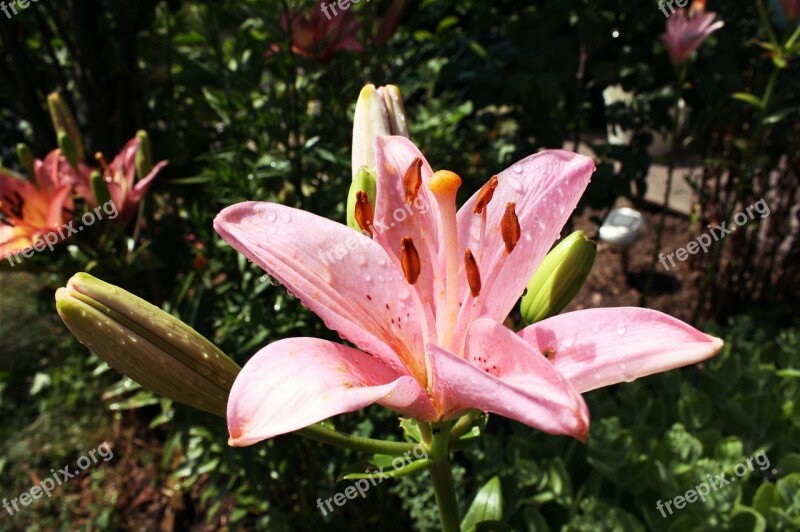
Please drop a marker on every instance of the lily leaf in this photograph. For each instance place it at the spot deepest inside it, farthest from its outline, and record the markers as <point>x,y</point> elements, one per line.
<point>487,506</point>
<point>746,97</point>
<point>381,466</point>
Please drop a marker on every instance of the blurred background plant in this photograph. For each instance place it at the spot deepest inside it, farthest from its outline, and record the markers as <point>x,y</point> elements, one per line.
<point>254,99</point>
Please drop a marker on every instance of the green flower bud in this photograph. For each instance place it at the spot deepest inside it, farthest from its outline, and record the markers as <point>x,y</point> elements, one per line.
<point>559,278</point>
<point>25,156</point>
<point>68,149</point>
<point>144,158</point>
<point>364,181</point>
<point>143,342</point>
<point>64,122</point>
<point>99,188</point>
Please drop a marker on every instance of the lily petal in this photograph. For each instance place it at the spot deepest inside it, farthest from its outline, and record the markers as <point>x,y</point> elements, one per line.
<point>545,187</point>
<point>395,219</point>
<point>503,375</point>
<point>341,275</point>
<point>296,382</point>
<point>599,347</point>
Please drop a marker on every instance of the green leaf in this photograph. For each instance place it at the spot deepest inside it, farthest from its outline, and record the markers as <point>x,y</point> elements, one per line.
<point>487,506</point>
<point>381,466</point>
<point>747,520</point>
<point>746,97</point>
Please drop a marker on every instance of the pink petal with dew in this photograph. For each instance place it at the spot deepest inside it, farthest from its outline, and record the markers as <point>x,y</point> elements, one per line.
<point>395,219</point>
<point>545,188</point>
<point>503,375</point>
<point>341,275</point>
<point>599,347</point>
<point>294,383</point>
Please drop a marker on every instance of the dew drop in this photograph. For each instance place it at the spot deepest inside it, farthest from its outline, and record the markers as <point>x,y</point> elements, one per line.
<point>569,341</point>
<point>286,216</point>
<point>367,277</point>
<point>515,184</point>
<point>404,292</point>
<point>517,168</point>
<point>621,329</point>
<point>270,215</point>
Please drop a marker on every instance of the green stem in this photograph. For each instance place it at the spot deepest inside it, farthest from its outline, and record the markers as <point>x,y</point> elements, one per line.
<point>443,478</point>
<point>323,434</point>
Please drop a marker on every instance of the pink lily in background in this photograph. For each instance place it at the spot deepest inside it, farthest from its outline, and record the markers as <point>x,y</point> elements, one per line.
<point>120,178</point>
<point>29,210</point>
<point>791,8</point>
<point>320,35</point>
<point>687,30</point>
<point>424,300</point>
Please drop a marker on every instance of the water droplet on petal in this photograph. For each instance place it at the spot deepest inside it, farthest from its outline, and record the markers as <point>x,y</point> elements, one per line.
<point>367,277</point>
<point>286,216</point>
<point>270,216</point>
<point>620,327</point>
<point>515,184</point>
<point>517,168</point>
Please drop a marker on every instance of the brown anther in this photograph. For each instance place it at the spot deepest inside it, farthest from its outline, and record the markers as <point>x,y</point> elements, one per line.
<point>363,212</point>
<point>473,273</point>
<point>509,227</point>
<point>485,195</point>
<point>412,180</point>
<point>101,159</point>
<point>409,260</point>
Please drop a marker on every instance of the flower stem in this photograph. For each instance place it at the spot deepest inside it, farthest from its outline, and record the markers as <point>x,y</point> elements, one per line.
<point>443,478</point>
<point>334,437</point>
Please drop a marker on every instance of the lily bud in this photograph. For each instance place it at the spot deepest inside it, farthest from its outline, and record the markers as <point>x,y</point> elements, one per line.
<point>25,156</point>
<point>378,112</point>
<point>393,100</point>
<point>144,157</point>
<point>64,122</point>
<point>143,342</point>
<point>100,191</point>
<point>364,181</point>
<point>559,278</point>
<point>68,148</point>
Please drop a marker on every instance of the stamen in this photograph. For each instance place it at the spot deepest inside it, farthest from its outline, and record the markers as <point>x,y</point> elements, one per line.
<point>412,180</point>
<point>509,227</point>
<point>102,160</point>
<point>363,212</point>
<point>409,260</point>
<point>485,195</point>
<point>473,274</point>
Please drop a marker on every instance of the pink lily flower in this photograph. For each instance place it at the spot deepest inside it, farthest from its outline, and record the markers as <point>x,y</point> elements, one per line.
<point>791,8</point>
<point>424,301</point>
<point>120,178</point>
<point>686,31</point>
<point>321,34</point>
<point>30,210</point>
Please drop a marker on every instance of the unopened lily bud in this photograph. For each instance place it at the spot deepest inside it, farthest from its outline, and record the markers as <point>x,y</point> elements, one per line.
<point>99,188</point>
<point>559,278</point>
<point>64,122</point>
<point>25,156</point>
<point>68,149</point>
<point>144,158</point>
<point>393,100</point>
<point>378,112</point>
<point>146,344</point>
<point>364,181</point>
